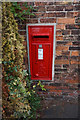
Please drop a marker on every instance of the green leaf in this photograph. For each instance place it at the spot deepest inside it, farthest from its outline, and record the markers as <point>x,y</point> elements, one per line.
<point>13,9</point>
<point>4,62</point>
<point>35,9</point>
<point>25,4</point>
<point>30,7</point>
<point>32,14</point>
<point>11,77</point>
<point>24,11</point>
<point>11,93</point>
<point>7,78</point>
<point>15,68</point>
<point>15,14</point>
<point>13,98</point>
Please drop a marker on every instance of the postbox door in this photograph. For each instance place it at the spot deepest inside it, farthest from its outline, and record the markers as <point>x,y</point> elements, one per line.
<point>41,67</point>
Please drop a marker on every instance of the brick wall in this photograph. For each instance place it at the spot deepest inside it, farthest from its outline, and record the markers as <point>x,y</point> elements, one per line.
<point>67,17</point>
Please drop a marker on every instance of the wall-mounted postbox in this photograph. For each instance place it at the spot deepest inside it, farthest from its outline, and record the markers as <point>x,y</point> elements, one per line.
<point>41,51</point>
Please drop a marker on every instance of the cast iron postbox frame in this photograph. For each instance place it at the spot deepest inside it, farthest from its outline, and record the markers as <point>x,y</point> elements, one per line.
<point>54,45</point>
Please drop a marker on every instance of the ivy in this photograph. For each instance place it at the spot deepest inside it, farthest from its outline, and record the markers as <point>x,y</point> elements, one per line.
<point>19,13</point>
<point>26,100</point>
<point>20,98</point>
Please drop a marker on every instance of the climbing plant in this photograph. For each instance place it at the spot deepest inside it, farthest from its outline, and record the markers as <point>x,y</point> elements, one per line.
<point>13,51</point>
<point>18,13</point>
<point>20,98</point>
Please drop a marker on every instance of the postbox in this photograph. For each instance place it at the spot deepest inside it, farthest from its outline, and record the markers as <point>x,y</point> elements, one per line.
<point>41,51</point>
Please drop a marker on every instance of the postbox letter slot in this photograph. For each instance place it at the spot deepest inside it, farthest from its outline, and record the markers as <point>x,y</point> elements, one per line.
<point>41,36</point>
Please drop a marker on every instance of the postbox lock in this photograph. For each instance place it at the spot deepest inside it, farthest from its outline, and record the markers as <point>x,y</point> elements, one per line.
<point>40,46</point>
<point>37,75</point>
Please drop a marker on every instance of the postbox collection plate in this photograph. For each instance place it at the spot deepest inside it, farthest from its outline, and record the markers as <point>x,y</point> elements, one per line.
<point>40,54</point>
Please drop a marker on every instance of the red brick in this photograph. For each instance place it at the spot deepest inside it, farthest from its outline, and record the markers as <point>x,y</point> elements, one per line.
<point>56,91</point>
<point>75,53</point>
<point>60,14</point>
<point>73,14</point>
<point>50,15</point>
<point>75,62</point>
<point>66,20</point>
<point>76,2</point>
<point>65,32</point>
<point>48,20</point>
<point>50,3</point>
<point>60,26</point>
<point>55,8</point>
<point>76,43</point>
<point>59,38</point>
<point>58,53</point>
<point>61,57</point>
<point>33,20</point>
<point>63,48</point>
<point>72,26</point>
<point>58,32</point>
<point>50,87</point>
<point>22,32</point>
<point>77,7</point>
<point>69,8</point>
<point>40,3</point>
<point>60,70</point>
<point>75,32</point>
<point>61,61</point>
<point>66,53</point>
<point>39,9</point>
<point>71,38</point>
<point>24,22</point>
<point>50,8</point>
<point>67,43</point>
<point>56,14</point>
<point>22,27</point>
<point>39,14</point>
<point>59,8</point>
<point>60,3</point>
<point>76,58</point>
<point>71,81</point>
<point>77,20</point>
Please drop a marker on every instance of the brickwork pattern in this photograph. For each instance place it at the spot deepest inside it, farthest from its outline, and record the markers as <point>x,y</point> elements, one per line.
<point>66,15</point>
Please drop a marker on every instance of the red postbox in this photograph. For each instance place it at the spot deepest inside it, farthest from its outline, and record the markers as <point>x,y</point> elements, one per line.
<point>40,43</point>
